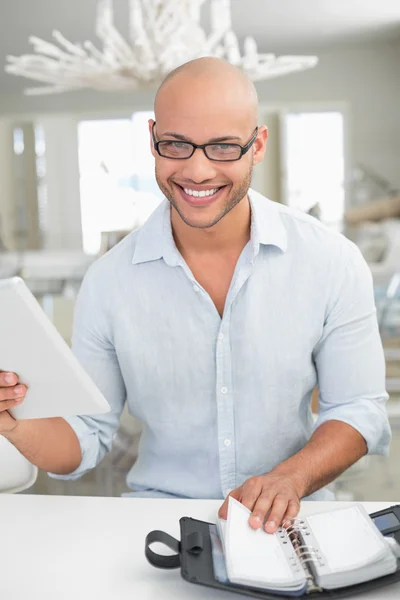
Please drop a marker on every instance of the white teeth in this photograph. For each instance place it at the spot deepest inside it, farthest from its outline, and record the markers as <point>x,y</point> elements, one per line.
<point>201,193</point>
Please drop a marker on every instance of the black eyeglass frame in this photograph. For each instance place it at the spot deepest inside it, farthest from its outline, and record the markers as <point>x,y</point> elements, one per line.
<point>243,149</point>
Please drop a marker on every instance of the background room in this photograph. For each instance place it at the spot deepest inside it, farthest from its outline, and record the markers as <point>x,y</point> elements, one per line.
<point>77,174</point>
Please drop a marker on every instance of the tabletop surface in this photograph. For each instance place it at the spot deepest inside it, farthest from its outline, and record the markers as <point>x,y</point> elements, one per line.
<point>78,548</point>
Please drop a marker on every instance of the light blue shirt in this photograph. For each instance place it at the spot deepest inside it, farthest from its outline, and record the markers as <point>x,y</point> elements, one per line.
<point>221,400</point>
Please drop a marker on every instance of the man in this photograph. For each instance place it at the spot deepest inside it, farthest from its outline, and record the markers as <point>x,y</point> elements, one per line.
<point>216,320</point>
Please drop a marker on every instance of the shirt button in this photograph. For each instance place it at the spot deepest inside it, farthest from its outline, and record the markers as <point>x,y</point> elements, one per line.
<point>224,390</point>
<point>227,442</point>
<point>220,336</point>
<point>196,288</point>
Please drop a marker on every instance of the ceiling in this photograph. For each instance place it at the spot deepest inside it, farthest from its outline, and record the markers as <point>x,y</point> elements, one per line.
<point>291,26</point>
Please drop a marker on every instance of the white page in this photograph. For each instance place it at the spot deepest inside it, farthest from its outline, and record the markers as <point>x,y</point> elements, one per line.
<point>221,527</point>
<point>253,555</point>
<point>346,538</point>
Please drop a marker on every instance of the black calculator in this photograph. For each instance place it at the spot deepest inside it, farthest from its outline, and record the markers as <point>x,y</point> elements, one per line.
<point>388,521</point>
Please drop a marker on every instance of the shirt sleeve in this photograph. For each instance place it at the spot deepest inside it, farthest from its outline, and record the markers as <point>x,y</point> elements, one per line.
<point>91,343</point>
<point>349,356</point>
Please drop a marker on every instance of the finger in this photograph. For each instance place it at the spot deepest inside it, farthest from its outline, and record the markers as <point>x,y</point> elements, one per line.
<point>278,510</point>
<point>261,510</point>
<point>223,511</point>
<point>292,511</point>
<point>7,379</point>
<point>10,393</point>
<point>7,404</point>
<point>251,491</point>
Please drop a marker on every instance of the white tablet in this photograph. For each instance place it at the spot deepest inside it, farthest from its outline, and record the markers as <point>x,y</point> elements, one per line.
<point>30,345</point>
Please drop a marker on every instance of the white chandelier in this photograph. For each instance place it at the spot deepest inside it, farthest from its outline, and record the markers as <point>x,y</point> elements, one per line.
<point>163,35</point>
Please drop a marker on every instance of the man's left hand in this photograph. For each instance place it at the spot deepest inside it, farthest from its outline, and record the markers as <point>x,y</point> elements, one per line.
<point>271,495</point>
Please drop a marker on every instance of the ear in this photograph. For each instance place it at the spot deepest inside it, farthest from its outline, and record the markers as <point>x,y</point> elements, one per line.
<point>260,144</point>
<point>151,123</point>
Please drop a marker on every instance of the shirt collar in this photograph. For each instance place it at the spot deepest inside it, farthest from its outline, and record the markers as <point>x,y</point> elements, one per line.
<point>155,239</point>
<point>267,226</point>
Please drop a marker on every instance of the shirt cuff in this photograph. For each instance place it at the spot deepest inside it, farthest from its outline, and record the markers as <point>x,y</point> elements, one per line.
<point>368,417</point>
<point>89,443</point>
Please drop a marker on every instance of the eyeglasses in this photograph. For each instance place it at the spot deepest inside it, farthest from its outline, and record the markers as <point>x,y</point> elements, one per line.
<point>178,150</point>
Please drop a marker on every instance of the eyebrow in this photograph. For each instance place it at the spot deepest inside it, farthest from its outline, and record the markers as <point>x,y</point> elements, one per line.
<point>178,136</point>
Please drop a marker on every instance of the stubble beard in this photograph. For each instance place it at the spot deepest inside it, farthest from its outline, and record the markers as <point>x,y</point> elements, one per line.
<point>237,194</point>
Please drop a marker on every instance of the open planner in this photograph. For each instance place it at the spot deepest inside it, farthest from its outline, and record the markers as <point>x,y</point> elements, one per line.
<point>327,556</point>
<point>329,550</point>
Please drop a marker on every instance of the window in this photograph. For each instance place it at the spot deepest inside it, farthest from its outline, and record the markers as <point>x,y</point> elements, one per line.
<point>314,164</point>
<point>117,184</point>
<point>40,152</point>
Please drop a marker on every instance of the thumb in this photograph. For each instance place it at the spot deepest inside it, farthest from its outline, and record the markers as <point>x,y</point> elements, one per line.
<point>223,511</point>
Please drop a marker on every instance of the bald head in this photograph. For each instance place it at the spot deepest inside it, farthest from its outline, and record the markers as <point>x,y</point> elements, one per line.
<point>215,81</point>
<point>210,104</point>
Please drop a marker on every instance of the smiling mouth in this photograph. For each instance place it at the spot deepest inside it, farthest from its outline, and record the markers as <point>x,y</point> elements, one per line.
<point>200,197</point>
<point>201,193</point>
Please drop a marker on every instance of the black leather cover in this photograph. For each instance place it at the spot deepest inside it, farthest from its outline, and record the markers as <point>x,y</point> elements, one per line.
<point>194,557</point>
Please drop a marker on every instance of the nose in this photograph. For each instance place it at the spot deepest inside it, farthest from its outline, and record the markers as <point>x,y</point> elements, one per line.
<point>198,168</point>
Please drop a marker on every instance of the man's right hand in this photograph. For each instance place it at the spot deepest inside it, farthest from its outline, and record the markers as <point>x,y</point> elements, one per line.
<point>51,444</point>
<point>12,394</point>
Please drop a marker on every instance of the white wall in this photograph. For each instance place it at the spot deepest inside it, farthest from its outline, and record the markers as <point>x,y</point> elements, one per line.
<point>62,181</point>
<point>8,216</point>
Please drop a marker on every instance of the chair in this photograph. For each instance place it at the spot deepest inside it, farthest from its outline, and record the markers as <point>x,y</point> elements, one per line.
<point>16,472</point>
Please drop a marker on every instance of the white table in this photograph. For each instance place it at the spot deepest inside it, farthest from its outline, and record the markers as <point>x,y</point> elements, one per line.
<point>83,548</point>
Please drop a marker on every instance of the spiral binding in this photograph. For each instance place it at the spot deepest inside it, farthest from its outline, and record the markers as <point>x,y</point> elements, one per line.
<point>309,556</point>
<point>294,520</point>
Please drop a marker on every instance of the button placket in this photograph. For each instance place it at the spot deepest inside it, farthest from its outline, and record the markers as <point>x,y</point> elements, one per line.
<point>225,409</point>
<point>224,386</point>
